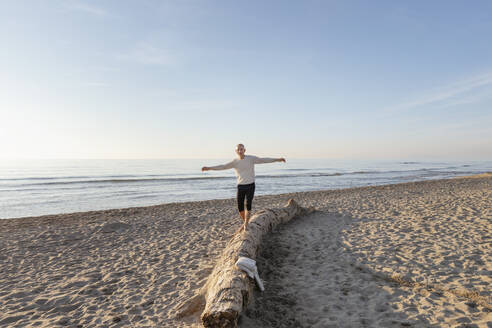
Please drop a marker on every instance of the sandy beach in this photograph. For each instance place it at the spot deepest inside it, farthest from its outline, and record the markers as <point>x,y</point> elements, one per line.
<point>405,255</point>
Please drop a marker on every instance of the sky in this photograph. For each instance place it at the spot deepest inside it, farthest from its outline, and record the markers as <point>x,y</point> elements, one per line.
<point>296,79</point>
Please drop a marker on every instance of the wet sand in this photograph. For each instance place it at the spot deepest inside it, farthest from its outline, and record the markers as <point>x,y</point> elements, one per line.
<point>414,254</point>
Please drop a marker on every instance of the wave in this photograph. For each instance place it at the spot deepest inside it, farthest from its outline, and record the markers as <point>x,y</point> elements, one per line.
<point>298,169</point>
<point>84,177</point>
<point>110,181</point>
<point>52,181</point>
<point>315,174</point>
<point>275,176</point>
<point>103,183</point>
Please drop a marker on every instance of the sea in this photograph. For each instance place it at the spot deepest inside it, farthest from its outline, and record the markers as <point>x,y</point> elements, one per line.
<point>41,187</point>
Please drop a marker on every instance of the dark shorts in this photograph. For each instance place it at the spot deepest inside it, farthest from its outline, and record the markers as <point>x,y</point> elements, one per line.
<point>245,191</point>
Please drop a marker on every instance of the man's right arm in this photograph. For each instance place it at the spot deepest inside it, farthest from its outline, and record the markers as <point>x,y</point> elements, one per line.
<point>226,166</point>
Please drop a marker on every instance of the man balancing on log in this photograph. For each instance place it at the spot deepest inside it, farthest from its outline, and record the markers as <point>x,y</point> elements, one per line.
<point>244,165</point>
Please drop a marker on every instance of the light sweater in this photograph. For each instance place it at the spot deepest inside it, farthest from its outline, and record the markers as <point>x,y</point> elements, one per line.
<point>245,168</point>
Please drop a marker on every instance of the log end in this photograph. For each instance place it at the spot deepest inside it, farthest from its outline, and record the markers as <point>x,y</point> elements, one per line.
<point>291,202</point>
<point>300,210</point>
<point>221,319</point>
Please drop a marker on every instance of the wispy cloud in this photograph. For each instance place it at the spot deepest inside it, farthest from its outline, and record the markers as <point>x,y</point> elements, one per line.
<point>194,100</point>
<point>86,8</point>
<point>148,54</point>
<point>465,91</point>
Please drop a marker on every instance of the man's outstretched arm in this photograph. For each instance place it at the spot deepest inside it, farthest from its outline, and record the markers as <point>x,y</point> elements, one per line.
<point>226,166</point>
<point>265,160</point>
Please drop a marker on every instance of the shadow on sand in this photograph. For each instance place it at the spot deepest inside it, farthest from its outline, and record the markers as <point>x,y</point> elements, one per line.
<point>313,280</point>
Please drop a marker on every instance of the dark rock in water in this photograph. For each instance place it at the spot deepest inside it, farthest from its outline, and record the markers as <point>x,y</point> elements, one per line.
<point>115,227</point>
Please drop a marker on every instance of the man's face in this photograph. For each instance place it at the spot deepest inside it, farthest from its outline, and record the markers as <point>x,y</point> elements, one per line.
<point>240,150</point>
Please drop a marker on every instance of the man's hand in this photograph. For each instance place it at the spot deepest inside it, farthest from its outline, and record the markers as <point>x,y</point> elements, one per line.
<point>281,159</point>
<point>205,168</point>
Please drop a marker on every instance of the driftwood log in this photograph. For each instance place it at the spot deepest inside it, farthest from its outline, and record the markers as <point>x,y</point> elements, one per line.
<point>228,289</point>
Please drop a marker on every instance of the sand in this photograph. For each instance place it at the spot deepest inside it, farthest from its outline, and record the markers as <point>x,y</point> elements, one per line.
<point>414,254</point>
<point>409,255</point>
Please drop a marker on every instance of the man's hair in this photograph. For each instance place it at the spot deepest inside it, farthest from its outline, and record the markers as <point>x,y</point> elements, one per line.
<point>237,146</point>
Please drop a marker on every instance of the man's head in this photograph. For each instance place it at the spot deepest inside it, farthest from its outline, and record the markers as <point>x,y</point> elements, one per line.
<point>240,150</point>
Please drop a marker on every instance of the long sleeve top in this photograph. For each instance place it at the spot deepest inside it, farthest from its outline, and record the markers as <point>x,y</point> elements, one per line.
<point>244,168</point>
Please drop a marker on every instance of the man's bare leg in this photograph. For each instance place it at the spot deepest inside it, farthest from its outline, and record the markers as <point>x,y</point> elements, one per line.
<point>243,216</point>
<point>246,220</point>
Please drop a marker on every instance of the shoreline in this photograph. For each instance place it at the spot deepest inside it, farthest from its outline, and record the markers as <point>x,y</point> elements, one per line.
<point>134,266</point>
<point>257,197</point>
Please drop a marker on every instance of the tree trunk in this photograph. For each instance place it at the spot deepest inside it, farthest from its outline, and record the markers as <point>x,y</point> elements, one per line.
<point>228,289</point>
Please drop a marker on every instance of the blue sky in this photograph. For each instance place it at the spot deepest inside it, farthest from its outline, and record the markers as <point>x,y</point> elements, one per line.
<point>190,79</point>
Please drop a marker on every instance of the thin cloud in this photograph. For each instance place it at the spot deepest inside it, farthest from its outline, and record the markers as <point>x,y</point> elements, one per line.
<point>196,100</point>
<point>147,54</point>
<point>86,8</point>
<point>461,92</point>
<point>474,97</point>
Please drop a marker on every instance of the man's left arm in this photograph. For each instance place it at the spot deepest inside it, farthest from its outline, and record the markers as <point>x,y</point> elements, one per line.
<point>264,160</point>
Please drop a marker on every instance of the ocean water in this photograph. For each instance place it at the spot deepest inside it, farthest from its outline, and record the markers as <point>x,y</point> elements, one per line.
<point>33,188</point>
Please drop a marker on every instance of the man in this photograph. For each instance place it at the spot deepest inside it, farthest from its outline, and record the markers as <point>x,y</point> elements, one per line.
<point>244,165</point>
